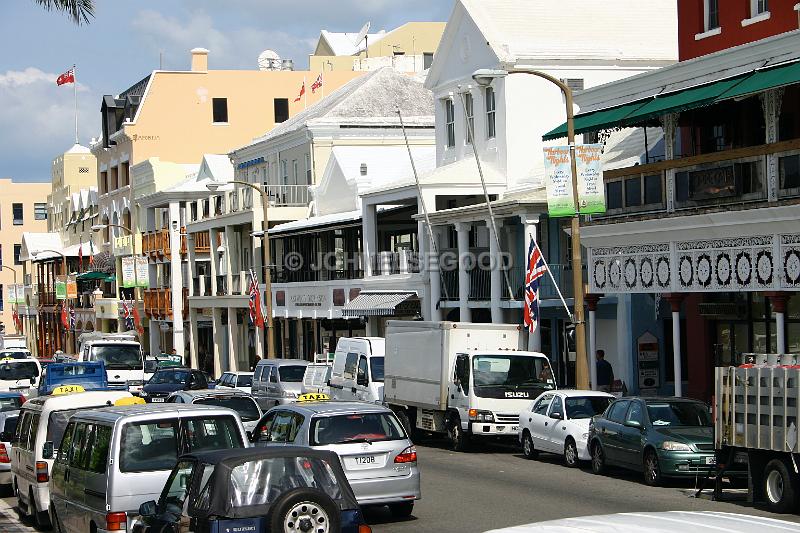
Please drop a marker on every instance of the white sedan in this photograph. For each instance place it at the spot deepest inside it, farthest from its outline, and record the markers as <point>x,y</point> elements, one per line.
<point>558,422</point>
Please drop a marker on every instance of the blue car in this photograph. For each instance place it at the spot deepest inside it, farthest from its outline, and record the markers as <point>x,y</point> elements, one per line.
<point>258,490</point>
<point>89,375</point>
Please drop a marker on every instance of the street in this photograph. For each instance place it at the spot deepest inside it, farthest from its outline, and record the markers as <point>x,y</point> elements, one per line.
<point>496,487</point>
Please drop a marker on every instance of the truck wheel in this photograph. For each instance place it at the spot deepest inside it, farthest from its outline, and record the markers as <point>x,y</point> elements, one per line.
<point>459,441</point>
<point>598,459</point>
<point>402,416</point>
<point>780,487</point>
<point>527,446</point>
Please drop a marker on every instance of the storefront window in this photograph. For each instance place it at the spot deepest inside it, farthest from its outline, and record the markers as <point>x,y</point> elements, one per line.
<point>793,307</point>
<point>793,337</point>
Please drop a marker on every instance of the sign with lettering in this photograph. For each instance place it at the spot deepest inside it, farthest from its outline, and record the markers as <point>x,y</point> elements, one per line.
<point>591,189</point>
<point>308,300</point>
<point>72,287</point>
<point>141,276</point>
<point>61,287</point>
<point>558,181</point>
<point>712,183</point>
<point>647,346</point>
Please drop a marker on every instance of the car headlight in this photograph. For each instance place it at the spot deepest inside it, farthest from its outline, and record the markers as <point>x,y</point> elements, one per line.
<point>672,446</point>
<point>135,382</point>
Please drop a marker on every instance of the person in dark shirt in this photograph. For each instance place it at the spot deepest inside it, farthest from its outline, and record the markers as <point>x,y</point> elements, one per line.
<point>605,374</point>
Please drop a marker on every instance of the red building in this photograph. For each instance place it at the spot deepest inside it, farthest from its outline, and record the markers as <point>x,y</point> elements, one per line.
<point>706,26</point>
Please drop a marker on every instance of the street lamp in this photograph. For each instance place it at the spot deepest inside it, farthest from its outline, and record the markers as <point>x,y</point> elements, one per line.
<point>484,78</point>
<point>101,227</point>
<point>16,305</point>
<point>214,186</point>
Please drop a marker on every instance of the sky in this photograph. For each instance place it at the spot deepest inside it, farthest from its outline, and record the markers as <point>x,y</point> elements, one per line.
<point>123,43</point>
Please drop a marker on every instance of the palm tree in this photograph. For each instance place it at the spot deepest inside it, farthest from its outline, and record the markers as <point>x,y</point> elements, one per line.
<point>80,11</point>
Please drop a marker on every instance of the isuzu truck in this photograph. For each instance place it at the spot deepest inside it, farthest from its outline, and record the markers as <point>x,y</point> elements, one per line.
<point>469,381</point>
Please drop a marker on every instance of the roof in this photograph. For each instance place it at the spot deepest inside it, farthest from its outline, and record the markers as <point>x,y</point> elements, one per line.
<point>87,398</point>
<point>78,149</point>
<point>117,412</point>
<point>344,43</point>
<point>580,393</point>
<point>315,222</point>
<point>240,455</point>
<point>334,407</point>
<point>281,362</point>
<point>212,393</point>
<point>369,100</point>
<point>37,243</point>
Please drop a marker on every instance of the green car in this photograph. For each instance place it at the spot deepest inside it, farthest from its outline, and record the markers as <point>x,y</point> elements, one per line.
<point>661,437</point>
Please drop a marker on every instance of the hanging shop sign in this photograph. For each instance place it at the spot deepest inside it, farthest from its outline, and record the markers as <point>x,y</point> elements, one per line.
<point>647,347</point>
<point>141,276</point>
<point>591,190</point>
<point>61,287</point>
<point>72,287</point>
<point>558,181</point>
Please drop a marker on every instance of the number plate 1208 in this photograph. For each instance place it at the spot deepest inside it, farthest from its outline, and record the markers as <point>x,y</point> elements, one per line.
<point>364,460</point>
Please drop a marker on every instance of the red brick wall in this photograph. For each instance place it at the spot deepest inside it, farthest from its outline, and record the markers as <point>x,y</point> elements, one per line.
<point>783,18</point>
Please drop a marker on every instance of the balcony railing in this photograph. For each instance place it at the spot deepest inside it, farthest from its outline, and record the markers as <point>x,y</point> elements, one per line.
<point>287,195</point>
<point>156,244</point>
<point>158,303</point>
<point>202,242</point>
<point>241,199</point>
<point>388,263</point>
<point>201,285</point>
<point>222,285</point>
<point>480,283</point>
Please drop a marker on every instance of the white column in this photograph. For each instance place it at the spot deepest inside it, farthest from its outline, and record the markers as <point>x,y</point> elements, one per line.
<point>497,291</point>
<point>230,251</point>
<point>669,123</point>
<point>214,256</point>
<point>592,349</point>
<point>194,360</point>
<point>369,237</point>
<point>176,273</point>
<point>216,314</point>
<point>462,229</point>
<point>431,264</point>
<point>233,339</point>
<point>529,224</point>
<point>675,305</point>
<point>191,270</point>
<point>154,337</point>
<point>780,324</point>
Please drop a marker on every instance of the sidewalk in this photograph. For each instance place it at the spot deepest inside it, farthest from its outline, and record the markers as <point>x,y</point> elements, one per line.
<point>9,520</point>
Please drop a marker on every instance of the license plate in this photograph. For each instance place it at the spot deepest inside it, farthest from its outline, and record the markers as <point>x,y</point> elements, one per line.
<point>157,400</point>
<point>711,460</point>
<point>515,429</point>
<point>364,460</point>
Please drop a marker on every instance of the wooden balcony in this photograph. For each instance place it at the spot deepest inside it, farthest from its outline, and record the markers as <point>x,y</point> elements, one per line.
<point>156,245</point>
<point>158,303</point>
<point>202,242</point>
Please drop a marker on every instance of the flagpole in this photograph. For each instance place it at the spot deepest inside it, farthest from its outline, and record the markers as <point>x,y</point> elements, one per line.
<point>75,92</point>
<point>305,96</point>
<point>549,273</point>
<point>322,81</point>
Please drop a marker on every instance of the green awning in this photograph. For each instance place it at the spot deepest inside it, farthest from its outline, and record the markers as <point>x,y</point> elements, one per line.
<point>765,79</point>
<point>596,120</point>
<point>91,275</point>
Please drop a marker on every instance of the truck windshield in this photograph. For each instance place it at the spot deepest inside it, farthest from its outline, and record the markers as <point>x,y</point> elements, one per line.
<point>377,368</point>
<point>511,371</point>
<point>678,414</point>
<point>16,371</point>
<point>119,356</point>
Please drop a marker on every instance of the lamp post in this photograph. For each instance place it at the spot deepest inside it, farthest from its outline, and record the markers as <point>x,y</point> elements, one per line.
<point>484,78</point>
<point>213,186</point>
<point>101,227</point>
<point>16,305</point>
<point>63,269</point>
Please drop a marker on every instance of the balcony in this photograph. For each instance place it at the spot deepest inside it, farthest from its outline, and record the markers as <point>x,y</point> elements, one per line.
<point>241,200</point>
<point>156,244</point>
<point>480,283</point>
<point>201,285</point>
<point>158,303</point>
<point>202,242</point>
<point>391,263</point>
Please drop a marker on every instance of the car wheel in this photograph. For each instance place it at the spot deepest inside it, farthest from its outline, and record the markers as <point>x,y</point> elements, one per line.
<point>598,459</point>
<point>527,446</point>
<point>401,510</point>
<point>570,453</point>
<point>652,470</point>
<point>780,488</point>
<point>304,510</point>
<point>411,431</point>
<point>459,441</point>
<point>40,518</point>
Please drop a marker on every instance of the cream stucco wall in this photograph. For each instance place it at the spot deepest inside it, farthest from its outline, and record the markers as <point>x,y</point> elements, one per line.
<point>71,172</point>
<point>27,194</point>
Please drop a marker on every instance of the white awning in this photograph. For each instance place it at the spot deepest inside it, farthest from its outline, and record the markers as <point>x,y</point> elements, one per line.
<point>383,303</point>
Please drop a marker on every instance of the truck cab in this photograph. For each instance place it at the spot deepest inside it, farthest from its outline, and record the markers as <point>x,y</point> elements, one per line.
<point>87,376</point>
<point>122,358</point>
<point>357,372</point>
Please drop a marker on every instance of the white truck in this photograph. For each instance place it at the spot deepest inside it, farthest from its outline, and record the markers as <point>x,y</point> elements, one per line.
<point>467,380</point>
<point>757,411</point>
<point>122,355</point>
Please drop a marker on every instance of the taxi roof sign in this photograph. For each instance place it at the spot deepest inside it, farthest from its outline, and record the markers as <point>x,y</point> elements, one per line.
<point>313,397</point>
<point>68,389</point>
<point>131,400</point>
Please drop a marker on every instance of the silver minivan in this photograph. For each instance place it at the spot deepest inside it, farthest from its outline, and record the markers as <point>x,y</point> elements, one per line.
<point>378,458</point>
<point>278,381</point>
<point>113,459</point>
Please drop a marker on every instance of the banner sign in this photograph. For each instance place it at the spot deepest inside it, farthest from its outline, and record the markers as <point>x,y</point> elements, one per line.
<point>61,288</point>
<point>141,278</point>
<point>72,287</point>
<point>558,180</point>
<point>123,245</point>
<point>591,189</point>
<point>13,297</point>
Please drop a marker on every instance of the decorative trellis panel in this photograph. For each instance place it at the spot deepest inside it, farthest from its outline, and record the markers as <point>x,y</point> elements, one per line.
<point>757,263</point>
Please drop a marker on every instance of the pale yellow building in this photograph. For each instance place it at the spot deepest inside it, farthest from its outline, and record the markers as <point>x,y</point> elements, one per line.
<point>23,208</point>
<point>408,48</point>
<point>73,198</point>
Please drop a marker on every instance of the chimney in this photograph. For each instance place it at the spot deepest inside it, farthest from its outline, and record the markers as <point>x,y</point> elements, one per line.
<point>199,60</point>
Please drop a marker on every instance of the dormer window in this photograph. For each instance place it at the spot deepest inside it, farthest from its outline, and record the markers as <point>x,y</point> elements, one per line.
<point>450,122</point>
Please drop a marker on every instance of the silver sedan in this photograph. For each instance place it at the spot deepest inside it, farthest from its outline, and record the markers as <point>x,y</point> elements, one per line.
<point>241,402</point>
<point>378,458</point>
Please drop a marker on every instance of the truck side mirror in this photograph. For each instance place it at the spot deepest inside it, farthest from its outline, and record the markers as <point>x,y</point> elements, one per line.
<point>47,450</point>
<point>361,379</point>
<point>148,508</point>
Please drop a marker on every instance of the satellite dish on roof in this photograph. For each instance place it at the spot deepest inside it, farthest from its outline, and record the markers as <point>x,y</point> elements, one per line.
<point>269,60</point>
<point>362,34</point>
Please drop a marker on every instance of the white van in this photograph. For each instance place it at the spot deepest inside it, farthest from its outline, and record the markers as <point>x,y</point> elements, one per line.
<point>39,430</point>
<point>114,459</point>
<point>123,359</point>
<point>20,375</point>
<point>358,369</point>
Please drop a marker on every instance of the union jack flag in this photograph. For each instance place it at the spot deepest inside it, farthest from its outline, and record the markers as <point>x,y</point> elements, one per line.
<point>256,317</point>
<point>72,319</point>
<point>536,269</point>
<point>127,315</point>
<point>317,84</point>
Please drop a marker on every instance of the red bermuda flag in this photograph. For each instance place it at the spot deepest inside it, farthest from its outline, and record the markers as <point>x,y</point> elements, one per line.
<point>302,92</point>
<point>317,84</point>
<point>67,77</point>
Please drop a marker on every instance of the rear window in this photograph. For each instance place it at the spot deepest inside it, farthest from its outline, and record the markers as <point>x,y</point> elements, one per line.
<point>292,373</point>
<point>10,425</point>
<point>245,406</point>
<point>364,427</point>
<point>10,403</point>
<point>586,407</point>
<point>217,433</point>
<point>13,371</point>
<point>170,376</point>
<point>277,476</point>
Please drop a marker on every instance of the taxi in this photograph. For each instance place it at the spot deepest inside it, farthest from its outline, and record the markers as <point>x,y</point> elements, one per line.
<point>377,456</point>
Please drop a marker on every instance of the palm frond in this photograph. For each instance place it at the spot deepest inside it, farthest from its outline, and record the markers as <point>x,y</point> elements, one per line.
<point>80,11</point>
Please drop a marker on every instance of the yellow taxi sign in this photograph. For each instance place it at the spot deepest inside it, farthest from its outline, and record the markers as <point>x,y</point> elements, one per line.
<point>68,389</point>
<point>7,359</point>
<point>313,397</point>
<point>132,400</point>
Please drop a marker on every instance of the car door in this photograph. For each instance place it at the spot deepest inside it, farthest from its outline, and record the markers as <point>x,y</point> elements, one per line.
<point>58,479</point>
<point>555,429</point>
<point>362,379</point>
<point>22,454</point>
<point>459,389</point>
<point>538,418</point>
<point>273,389</point>
<point>74,480</point>
<point>611,431</point>
<point>632,438</point>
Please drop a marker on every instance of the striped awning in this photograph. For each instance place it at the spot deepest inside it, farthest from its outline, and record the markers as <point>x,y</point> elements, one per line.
<point>383,303</point>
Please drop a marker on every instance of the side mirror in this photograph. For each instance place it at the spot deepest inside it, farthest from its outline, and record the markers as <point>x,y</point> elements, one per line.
<point>47,450</point>
<point>362,380</point>
<point>555,415</point>
<point>33,381</point>
<point>148,508</point>
<point>5,436</point>
<point>633,424</point>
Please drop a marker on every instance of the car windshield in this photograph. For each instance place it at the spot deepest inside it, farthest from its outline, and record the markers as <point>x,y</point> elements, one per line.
<point>244,405</point>
<point>10,403</point>
<point>174,377</point>
<point>118,356</point>
<point>277,475</point>
<point>586,406</point>
<point>376,364</point>
<point>15,354</point>
<point>511,371</point>
<point>244,381</point>
<point>13,371</point>
<point>693,414</point>
<point>359,427</point>
<point>292,373</point>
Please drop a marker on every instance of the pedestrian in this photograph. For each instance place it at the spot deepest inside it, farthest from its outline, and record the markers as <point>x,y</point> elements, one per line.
<point>605,374</point>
